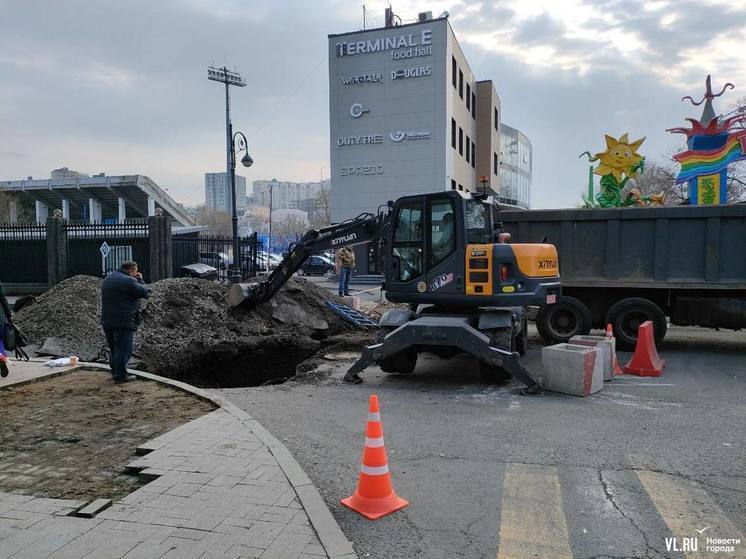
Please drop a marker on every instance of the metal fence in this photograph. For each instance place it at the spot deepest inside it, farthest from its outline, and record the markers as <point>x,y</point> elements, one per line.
<point>23,253</point>
<point>124,241</point>
<point>217,252</point>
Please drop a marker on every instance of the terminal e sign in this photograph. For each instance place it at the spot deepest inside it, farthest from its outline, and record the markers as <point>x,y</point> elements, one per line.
<point>415,44</point>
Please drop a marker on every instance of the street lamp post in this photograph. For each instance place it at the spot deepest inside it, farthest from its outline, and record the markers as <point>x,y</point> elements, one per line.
<point>269,238</point>
<point>238,143</point>
<point>229,78</point>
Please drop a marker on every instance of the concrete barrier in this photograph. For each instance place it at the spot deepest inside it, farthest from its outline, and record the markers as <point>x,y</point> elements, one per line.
<point>606,351</point>
<point>352,302</point>
<point>572,369</point>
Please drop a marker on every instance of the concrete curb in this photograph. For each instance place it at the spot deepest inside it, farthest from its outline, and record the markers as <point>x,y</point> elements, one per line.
<point>335,543</point>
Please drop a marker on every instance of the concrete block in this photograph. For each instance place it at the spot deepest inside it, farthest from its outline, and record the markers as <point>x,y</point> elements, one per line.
<point>606,351</point>
<point>352,302</point>
<point>572,369</point>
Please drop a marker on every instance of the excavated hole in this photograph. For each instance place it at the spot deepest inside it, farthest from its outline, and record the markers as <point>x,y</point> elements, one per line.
<point>256,362</point>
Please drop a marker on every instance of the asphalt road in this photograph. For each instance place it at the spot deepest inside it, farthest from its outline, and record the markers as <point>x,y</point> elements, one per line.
<point>491,473</point>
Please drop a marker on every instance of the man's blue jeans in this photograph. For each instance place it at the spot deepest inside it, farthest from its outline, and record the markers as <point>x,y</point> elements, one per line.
<point>344,280</point>
<point>121,345</point>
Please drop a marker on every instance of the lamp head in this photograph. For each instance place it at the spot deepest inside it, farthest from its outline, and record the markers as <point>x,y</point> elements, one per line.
<point>246,160</point>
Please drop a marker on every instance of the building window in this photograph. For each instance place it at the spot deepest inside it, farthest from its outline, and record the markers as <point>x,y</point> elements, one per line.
<point>453,184</point>
<point>473,155</point>
<point>468,151</point>
<point>473,105</point>
<point>460,141</point>
<point>453,133</point>
<point>468,97</point>
<point>497,120</point>
<point>453,71</point>
<point>461,84</point>
<point>494,163</point>
<point>460,187</point>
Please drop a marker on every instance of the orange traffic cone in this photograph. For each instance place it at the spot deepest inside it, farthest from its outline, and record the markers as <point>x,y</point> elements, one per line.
<point>645,362</point>
<point>610,334</point>
<point>374,496</point>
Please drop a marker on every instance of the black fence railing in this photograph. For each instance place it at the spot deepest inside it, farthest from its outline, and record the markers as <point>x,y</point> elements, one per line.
<point>124,241</point>
<point>23,254</point>
<point>216,251</point>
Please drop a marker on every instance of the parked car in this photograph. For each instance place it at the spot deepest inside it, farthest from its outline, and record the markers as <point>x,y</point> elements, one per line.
<point>316,265</point>
<point>219,260</point>
<point>203,271</point>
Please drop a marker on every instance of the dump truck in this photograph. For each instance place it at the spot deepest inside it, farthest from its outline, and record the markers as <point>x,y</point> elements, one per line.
<point>628,265</point>
<point>465,291</point>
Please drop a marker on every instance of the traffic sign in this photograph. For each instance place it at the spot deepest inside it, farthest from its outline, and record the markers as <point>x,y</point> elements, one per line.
<point>104,249</point>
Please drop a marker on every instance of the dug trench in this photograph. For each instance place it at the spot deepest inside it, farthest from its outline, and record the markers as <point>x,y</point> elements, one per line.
<point>188,331</point>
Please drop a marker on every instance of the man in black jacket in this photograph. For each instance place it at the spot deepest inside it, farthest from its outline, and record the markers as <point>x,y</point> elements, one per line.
<point>121,292</point>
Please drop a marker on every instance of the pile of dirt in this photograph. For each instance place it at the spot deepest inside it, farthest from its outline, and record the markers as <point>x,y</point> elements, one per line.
<point>65,320</point>
<point>189,332</point>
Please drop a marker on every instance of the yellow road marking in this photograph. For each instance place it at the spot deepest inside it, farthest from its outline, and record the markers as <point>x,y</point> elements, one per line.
<point>532,523</point>
<point>687,509</point>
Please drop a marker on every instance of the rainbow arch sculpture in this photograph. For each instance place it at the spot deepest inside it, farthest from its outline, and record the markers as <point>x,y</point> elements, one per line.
<point>712,144</point>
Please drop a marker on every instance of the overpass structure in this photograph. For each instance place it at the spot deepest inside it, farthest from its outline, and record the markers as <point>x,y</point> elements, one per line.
<point>96,199</point>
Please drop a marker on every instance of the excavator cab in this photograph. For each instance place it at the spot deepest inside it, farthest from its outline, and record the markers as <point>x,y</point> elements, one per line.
<point>443,251</point>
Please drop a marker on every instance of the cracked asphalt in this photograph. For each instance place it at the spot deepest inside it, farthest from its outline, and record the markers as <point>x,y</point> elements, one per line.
<point>491,473</point>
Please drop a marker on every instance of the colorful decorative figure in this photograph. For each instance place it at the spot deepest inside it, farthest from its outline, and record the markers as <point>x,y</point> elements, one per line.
<point>619,163</point>
<point>712,145</point>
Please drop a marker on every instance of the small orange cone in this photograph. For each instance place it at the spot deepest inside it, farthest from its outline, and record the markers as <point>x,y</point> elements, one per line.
<point>610,334</point>
<point>374,496</point>
<point>645,362</point>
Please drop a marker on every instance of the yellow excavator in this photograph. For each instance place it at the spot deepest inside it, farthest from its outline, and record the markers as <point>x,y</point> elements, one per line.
<point>447,257</point>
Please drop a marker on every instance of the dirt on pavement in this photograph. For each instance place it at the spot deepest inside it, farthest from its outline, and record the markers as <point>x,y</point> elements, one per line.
<point>71,436</point>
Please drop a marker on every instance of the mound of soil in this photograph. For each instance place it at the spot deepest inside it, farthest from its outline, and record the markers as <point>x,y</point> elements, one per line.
<point>189,332</point>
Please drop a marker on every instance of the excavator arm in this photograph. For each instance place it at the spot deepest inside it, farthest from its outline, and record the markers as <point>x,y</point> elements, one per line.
<point>362,229</point>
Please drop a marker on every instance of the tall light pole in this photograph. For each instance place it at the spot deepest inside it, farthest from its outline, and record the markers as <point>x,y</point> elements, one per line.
<point>269,238</point>
<point>231,78</point>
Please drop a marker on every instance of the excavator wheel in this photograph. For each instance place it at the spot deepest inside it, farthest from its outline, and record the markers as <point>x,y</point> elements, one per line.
<point>501,338</point>
<point>402,363</point>
<point>521,340</point>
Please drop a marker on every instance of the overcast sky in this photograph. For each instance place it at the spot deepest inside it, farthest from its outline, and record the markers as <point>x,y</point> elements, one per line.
<point>121,86</point>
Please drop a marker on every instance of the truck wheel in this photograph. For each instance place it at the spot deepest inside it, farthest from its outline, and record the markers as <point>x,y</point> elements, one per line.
<point>625,317</point>
<point>501,338</point>
<point>562,320</point>
<point>402,363</point>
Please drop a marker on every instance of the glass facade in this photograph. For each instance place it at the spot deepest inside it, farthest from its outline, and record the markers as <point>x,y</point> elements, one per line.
<point>516,159</point>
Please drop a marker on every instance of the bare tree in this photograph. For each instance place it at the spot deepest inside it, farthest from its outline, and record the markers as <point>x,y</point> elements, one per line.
<point>24,208</point>
<point>322,214</point>
<point>660,178</point>
<point>289,230</point>
<point>218,222</point>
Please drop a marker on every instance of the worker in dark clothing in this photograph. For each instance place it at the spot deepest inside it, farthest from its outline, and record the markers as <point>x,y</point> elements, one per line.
<point>121,292</point>
<point>5,318</point>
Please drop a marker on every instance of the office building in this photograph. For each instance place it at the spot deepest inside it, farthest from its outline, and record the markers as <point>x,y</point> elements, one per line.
<point>407,116</point>
<point>516,159</point>
<point>218,194</point>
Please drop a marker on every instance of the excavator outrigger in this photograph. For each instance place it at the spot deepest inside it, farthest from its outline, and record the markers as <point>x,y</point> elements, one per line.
<point>446,257</point>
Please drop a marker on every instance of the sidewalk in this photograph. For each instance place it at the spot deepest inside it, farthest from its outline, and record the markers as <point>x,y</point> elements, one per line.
<point>222,486</point>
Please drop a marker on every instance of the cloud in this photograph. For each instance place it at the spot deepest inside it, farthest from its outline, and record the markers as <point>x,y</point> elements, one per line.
<point>121,86</point>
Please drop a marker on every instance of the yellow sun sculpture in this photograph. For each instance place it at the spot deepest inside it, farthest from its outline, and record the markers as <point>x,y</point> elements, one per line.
<point>620,157</point>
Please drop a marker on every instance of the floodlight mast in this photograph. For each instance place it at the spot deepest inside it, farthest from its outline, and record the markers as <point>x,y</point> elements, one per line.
<point>230,78</point>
